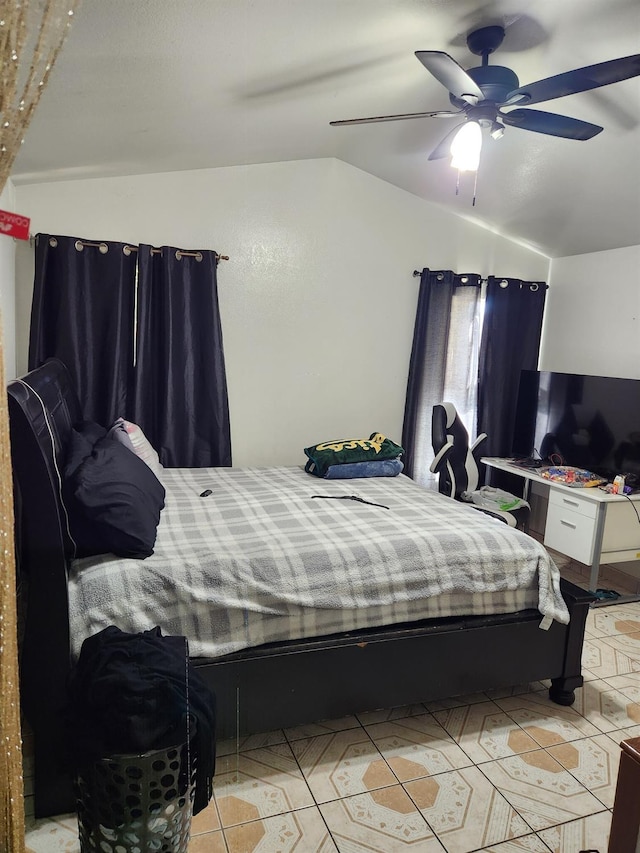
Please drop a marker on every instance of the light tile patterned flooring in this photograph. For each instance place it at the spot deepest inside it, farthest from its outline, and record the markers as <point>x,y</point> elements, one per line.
<point>505,771</point>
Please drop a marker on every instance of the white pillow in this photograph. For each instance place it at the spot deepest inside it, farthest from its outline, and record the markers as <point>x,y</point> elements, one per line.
<point>140,444</point>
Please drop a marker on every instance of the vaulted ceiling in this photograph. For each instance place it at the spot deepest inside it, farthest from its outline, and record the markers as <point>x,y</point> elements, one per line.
<point>159,85</point>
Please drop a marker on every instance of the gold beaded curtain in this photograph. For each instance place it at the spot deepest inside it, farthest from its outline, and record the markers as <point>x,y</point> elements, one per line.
<point>31,36</point>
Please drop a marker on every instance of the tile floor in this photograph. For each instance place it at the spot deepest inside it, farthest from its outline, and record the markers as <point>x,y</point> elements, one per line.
<point>504,771</point>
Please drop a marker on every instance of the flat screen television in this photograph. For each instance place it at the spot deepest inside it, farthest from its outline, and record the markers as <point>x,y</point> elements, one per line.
<point>590,422</point>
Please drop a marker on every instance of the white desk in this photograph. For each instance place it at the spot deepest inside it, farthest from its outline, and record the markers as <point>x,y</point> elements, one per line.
<point>588,525</point>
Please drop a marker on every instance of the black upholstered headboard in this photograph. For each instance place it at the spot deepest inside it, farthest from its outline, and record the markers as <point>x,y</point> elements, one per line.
<point>43,406</point>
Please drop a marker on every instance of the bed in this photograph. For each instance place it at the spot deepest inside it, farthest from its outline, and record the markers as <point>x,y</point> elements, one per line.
<point>492,616</point>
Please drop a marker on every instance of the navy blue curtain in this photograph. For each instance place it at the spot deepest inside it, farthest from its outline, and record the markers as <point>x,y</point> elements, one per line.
<point>83,313</point>
<point>510,343</point>
<point>181,398</point>
<point>139,329</point>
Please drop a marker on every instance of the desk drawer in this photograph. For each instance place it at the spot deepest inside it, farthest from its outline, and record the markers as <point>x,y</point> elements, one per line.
<point>567,501</point>
<point>570,532</point>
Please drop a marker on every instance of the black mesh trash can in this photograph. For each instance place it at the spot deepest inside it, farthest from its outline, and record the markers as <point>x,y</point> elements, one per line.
<point>137,803</point>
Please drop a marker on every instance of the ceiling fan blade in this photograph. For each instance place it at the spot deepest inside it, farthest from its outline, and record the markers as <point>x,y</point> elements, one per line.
<point>452,76</point>
<point>436,114</point>
<point>579,80</point>
<point>443,148</point>
<point>551,123</point>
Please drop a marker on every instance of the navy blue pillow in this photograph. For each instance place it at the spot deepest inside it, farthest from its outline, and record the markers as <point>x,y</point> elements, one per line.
<point>114,499</point>
<point>82,439</point>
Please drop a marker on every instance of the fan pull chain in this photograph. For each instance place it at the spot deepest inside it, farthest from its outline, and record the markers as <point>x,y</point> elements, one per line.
<point>475,187</point>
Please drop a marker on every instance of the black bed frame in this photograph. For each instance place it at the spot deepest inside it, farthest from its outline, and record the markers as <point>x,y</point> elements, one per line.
<point>260,689</point>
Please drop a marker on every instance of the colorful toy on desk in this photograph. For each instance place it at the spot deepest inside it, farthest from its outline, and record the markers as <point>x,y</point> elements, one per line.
<point>569,476</point>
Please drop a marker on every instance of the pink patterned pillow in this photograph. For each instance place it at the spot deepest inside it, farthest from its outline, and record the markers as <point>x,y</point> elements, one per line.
<point>131,435</point>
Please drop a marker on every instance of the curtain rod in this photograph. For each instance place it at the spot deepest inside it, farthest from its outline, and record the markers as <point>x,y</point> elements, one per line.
<point>179,253</point>
<point>127,249</point>
<point>504,282</point>
<point>480,280</point>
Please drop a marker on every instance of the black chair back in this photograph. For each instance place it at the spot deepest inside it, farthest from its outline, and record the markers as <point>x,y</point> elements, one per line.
<point>456,463</point>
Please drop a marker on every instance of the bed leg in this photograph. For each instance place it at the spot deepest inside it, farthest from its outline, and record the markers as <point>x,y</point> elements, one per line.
<point>562,690</point>
<point>559,693</point>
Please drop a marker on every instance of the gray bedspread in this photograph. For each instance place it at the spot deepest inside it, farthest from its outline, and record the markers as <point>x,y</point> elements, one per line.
<point>261,559</point>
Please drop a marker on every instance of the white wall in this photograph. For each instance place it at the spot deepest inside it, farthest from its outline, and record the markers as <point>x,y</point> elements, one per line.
<point>318,298</point>
<point>592,318</point>
<point>7,289</point>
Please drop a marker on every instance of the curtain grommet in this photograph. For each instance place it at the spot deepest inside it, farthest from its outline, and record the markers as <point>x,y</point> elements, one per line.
<point>534,286</point>
<point>504,283</point>
<point>53,242</point>
<point>103,248</point>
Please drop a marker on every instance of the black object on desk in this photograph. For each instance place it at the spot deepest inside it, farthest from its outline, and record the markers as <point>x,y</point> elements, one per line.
<point>529,462</point>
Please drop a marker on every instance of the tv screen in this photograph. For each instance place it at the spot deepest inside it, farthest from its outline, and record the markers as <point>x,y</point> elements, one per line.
<point>590,422</point>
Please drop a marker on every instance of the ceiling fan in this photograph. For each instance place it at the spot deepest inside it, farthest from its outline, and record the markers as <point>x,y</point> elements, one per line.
<point>480,94</point>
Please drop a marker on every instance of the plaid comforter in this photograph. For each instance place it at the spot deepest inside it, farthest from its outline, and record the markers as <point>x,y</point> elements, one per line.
<point>261,559</point>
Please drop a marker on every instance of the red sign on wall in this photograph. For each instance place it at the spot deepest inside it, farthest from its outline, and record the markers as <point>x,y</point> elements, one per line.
<point>14,225</point>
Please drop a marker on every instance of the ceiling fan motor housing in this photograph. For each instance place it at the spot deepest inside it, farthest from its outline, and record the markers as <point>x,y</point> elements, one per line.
<point>495,82</point>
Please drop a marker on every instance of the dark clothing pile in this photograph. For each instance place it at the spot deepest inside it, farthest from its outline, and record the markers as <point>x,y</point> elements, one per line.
<point>133,693</point>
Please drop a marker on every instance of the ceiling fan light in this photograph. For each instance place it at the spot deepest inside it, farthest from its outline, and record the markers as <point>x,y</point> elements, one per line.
<point>497,130</point>
<point>465,147</point>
